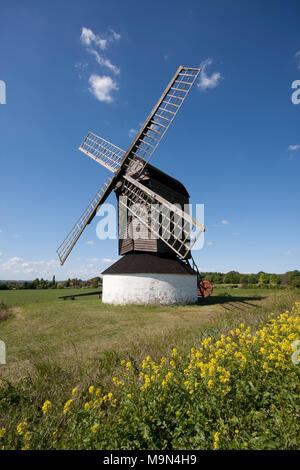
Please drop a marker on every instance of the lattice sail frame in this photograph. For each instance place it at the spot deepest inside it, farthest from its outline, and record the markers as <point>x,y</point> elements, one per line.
<point>163,114</point>
<point>66,246</point>
<point>143,146</point>
<point>171,224</point>
<point>102,151</point>
<point>151,132</point>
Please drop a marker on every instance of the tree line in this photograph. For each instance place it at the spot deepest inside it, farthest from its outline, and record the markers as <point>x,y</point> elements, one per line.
<point>95,282</point>
<point>262,279</point>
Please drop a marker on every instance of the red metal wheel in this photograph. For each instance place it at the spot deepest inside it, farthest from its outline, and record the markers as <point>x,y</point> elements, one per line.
<point>205,289</point>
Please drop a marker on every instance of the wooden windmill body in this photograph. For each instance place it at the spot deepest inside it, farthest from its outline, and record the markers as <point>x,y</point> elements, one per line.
<point>155,266</point>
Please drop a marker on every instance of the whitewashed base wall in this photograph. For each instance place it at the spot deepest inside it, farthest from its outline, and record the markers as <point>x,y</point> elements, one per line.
<point>142,289</point>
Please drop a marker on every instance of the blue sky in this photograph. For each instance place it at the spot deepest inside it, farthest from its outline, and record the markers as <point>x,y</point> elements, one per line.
<point>235,144</point>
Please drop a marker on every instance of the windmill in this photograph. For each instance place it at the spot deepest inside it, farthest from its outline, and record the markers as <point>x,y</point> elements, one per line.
<point>158,268</point>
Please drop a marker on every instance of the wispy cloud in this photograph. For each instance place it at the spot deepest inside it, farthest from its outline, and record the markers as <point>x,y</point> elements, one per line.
<point>206,82</point>
<point>225,222</point>
<point>292,148</point>
<point>132,133</point>
<point>209,243</point>
<point>105,62</point>
<point>236,234</point>
<point>19,264</point>
<point>107,260</point>
<point>288,253</point>
<point>101,87</point>
<point>88,38</point>
<point>116,36</point>
<point>81,66</point>
<point>94,42</point>
<point>90,242</point>
<point>297,57</point>
<point>0,230</point>
<point>12,262</point>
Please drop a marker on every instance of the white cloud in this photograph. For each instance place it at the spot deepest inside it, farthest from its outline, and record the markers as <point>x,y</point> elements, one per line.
<point>132,133</point>
<point>101,87</point>
<point>81,66</point>
<point>90,242</point>
<point>224,222</point>
<point>88,37</point>
<point>205,82</point>
<point>288,253</point>
<point>297,56</point>
<point>105,62</point>
<point>93,260</point>
<point>292,148</point>
<point>0,230</point>
<point>210,243</point>
<point>107,260</point>
<point>1,254</point>
<point>236,234</point>
<point>116,36</point>
<point>11,263</point>
<point>94,42</point>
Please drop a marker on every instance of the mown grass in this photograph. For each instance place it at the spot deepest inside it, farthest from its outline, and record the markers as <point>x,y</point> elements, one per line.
<point>54,345</point>
<point>23,297</point>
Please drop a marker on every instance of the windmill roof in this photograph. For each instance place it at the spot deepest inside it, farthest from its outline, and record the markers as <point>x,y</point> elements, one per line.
<point>143,263</point>
<point>167,180</point>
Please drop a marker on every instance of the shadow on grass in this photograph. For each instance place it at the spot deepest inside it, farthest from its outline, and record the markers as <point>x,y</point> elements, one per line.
<point>238,301</point>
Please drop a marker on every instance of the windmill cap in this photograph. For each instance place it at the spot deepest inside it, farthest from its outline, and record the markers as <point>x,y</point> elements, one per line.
<point>149,263</point>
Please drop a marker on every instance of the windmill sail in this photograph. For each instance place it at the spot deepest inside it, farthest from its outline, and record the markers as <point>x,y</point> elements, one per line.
<point>152,131</point>
<point>171,224</point>
<point>67,245</point>
<point>102,151</point>
<point>162,115</point>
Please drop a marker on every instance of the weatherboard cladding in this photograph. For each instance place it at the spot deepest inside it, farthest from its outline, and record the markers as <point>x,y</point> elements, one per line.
<point>167,187</point>
<point>149,263</point>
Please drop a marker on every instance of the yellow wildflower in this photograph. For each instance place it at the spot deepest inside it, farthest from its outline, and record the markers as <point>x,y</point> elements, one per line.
<point>46,406</point>
<point>216,440</point>
<point>67,406</point>
<point>95,428</point>
<point>21,428</point>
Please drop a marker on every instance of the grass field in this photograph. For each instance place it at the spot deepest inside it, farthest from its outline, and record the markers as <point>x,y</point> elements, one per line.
<point>55,345</point>
<point>44,327</point>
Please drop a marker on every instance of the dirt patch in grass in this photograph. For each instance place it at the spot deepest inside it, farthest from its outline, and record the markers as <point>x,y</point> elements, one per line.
<point>5,312</point>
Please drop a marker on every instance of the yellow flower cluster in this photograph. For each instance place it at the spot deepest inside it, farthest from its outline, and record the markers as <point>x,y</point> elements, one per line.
<point>215,365</point>
<point>46,406</point>
<point>67,406</point>
<point>22,427</point>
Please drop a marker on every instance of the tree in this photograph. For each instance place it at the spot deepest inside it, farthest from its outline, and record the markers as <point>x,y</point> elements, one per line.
<point>232,277</point>
<point>295,282</point>
<point>244,279</point>
<point>262,278</point>
<point>253,279</point>
<point>274,279</point>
